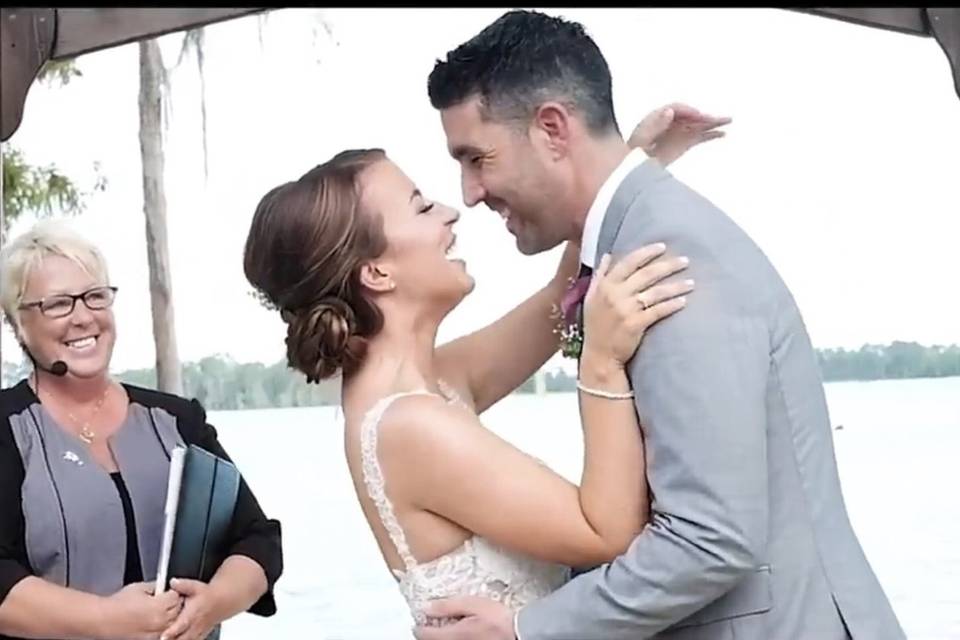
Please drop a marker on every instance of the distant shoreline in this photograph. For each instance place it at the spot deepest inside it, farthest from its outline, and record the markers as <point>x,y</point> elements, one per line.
<point>566,386</point>
<point>221,383</point>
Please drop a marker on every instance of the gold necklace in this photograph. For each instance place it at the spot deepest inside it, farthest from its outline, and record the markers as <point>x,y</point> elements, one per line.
<point>86,433</point>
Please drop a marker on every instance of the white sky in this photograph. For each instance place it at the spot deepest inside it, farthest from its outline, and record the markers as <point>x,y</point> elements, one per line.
<point>838,162</point>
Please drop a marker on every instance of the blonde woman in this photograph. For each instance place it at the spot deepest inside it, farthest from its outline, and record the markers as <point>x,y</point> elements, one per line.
<point>83,467</point>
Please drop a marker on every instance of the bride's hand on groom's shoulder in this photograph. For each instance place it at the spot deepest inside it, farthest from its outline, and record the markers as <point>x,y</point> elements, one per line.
<point>625,299</point>
<point>670,131</point>
<point>480,619</point>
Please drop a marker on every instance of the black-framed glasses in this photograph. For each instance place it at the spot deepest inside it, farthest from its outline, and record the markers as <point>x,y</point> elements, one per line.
<point>62,304</point>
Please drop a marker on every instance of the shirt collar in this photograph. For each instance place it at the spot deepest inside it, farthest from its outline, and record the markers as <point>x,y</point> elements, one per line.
<point>598,210</point>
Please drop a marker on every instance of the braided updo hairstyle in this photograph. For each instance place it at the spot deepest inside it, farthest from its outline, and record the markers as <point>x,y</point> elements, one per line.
<point>303,254</point>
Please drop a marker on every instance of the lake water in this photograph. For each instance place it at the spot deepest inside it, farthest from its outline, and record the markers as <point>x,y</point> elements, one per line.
<point>898,453</point>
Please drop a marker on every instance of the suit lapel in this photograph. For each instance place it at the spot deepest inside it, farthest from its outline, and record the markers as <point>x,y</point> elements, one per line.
<point>626,194</point>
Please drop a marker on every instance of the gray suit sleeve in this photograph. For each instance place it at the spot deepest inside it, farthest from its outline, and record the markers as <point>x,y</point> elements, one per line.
<point>700,380</point>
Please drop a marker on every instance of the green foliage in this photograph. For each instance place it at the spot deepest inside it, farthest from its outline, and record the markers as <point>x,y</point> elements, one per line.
<point>59,72</point>
<point>42,190</point>
<point>897,360</point>
<point>220,383</point>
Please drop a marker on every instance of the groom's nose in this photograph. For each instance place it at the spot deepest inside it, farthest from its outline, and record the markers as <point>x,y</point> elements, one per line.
<point>473,191</point>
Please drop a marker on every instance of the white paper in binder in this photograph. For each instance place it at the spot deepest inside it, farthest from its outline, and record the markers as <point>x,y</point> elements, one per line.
<point>177,458</point>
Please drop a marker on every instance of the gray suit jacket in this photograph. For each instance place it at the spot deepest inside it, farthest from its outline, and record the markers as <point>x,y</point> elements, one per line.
<point>749,536</point>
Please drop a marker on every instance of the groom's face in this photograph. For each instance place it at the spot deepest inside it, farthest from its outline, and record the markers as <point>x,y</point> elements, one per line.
<point>502,167</point>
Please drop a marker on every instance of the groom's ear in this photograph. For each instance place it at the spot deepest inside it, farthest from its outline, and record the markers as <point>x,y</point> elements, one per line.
<point>376,277</point>
<point>551,124</point>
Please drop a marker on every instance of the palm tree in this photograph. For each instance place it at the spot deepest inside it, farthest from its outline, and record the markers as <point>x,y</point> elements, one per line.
<point>152,80</point>
<point>155,98</point>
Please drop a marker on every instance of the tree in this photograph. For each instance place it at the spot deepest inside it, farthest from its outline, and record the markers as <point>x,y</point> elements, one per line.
<point>155,93</point>
<point>32,189</point>
<point>153,77</point>
<point>41,190</point>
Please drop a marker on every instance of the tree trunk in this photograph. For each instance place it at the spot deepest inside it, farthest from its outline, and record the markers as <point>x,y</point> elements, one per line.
<point>169,376</point>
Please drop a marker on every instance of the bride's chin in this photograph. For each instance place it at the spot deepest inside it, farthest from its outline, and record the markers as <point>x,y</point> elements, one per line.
<point>468,286</point>
<point>464,291</point>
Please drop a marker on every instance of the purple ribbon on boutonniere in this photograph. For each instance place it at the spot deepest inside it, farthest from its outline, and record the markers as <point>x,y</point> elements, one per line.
<point>569,320</point>
<point>573,297</point>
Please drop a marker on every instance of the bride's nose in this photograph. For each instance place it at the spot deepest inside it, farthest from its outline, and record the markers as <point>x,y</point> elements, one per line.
<point>451,216</point>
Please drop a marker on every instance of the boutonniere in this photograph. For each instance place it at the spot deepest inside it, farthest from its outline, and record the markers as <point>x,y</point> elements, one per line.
<point>569,317</point>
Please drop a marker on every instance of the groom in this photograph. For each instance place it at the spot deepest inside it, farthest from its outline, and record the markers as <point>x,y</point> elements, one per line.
<point>749,537</point>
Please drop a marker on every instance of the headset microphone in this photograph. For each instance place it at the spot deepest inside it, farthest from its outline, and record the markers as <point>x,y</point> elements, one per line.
<point>58,368</point>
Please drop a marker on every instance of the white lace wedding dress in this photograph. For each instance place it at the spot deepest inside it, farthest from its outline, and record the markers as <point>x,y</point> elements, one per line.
<point>477,567</point>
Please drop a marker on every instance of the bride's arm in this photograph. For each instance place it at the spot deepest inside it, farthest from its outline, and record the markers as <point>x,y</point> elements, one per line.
<point>495,360</point>
<point>487,486</point>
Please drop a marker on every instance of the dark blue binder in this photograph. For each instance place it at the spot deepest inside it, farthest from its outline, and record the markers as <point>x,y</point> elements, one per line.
<point>208,494</point>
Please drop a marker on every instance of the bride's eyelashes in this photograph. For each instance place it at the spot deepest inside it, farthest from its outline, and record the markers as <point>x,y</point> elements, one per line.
<point>426,208</point>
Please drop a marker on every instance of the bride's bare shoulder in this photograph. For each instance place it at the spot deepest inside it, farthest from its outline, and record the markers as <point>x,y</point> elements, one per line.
<point>423,418</point>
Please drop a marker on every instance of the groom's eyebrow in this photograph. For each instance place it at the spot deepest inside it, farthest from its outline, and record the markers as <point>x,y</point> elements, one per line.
<point>460,151</point>
<point>416,192</point>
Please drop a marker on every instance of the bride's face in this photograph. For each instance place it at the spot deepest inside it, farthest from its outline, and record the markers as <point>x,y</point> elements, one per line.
<point>420,239</point>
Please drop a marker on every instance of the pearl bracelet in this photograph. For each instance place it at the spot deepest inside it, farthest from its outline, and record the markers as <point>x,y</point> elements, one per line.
<point>609,395</point>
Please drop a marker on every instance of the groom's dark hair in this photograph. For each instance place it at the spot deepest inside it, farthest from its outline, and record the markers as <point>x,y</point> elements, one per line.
<point>522,60</point>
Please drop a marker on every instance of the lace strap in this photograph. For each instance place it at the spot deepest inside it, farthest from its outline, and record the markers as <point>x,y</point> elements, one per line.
<point>373,475</point>
<point>450,394</point>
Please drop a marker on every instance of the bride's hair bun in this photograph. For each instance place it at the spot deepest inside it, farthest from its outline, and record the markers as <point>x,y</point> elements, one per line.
<point>307,242</point>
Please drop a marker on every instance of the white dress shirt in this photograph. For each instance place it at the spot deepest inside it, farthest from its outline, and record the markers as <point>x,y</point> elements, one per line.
<point>598,210</point>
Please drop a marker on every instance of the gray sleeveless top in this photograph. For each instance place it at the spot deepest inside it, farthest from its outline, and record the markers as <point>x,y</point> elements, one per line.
<point>74,525</point>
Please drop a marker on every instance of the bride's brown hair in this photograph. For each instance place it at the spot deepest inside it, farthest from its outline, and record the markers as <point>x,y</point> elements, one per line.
<point>303,254</point>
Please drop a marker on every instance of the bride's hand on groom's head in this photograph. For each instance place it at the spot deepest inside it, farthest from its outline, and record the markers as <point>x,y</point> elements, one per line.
<point>480,619</point>
<point>670,131</point>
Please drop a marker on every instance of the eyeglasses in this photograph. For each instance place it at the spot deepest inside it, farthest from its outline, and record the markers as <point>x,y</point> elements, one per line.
<point>62,305</point>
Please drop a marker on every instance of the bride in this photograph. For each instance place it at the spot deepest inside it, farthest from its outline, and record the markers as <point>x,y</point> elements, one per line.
<point>356,258</point>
